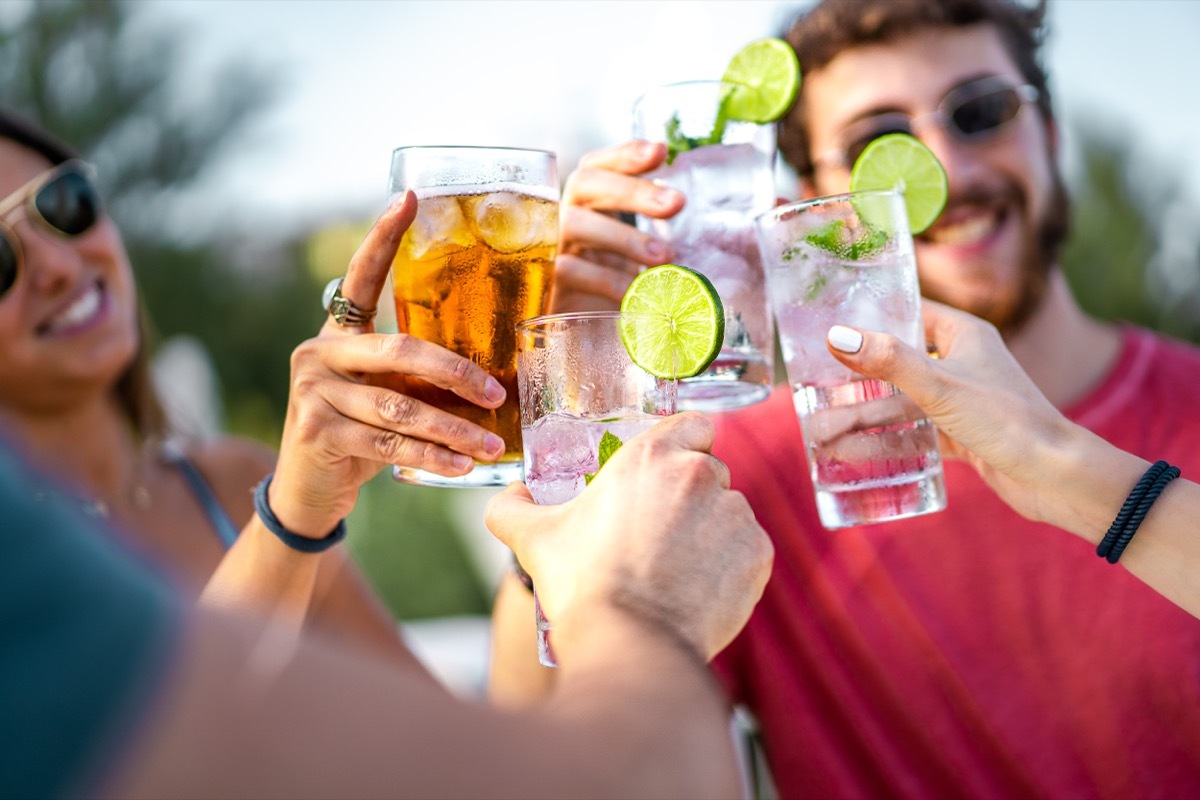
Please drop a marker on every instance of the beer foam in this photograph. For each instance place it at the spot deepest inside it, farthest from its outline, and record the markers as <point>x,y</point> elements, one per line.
<point>548,193</point>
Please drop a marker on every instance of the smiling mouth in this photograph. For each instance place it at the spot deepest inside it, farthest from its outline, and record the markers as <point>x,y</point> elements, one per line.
<point>966,226</point>
<point>77,315</point>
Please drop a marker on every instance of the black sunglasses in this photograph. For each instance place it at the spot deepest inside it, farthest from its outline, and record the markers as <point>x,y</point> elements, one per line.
<point>969,112</point>
<point>63,201</point>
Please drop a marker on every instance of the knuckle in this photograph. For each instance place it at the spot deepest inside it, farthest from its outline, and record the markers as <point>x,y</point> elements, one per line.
<point>396,407</point>
<point>391,447</point>
<point>577,188</point>
<point>304,353</point>
<point>461,369</point>
<point>397,347</point>
<point>460,431</point>
<point>308,424</point>
<point>885,352</point>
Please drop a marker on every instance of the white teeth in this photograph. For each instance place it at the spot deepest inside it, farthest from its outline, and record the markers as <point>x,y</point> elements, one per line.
<point>78,312</point>
<point>969,230</point>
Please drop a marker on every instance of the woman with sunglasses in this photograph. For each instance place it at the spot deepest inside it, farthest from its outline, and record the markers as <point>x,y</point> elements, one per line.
<point>76,398</point>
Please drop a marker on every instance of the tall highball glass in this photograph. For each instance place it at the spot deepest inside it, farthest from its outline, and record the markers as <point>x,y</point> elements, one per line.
<point>579,386</point>
<point>477,260</point>
<point>872,454</point>
<point>728,182</point>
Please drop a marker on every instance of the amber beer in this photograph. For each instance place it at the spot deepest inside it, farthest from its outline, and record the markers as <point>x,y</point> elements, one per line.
<point>477,260</point>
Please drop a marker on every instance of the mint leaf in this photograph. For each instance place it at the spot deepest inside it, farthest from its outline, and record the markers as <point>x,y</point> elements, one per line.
<point>835,239</point>
<point>609,444</point>
<point>678,143</point>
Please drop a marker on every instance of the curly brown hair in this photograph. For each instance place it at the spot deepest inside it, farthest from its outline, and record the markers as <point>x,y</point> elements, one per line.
<point>832,26</point>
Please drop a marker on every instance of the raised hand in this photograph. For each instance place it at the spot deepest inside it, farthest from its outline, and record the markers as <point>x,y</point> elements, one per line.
<point>598,255</point>
<point>343,426</point>
<point>658,538</point>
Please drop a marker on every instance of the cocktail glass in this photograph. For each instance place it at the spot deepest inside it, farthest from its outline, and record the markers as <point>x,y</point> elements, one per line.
<point>577,385</point>
<point>477,260</point>
<point>727,183</point>
<point>872,454</point>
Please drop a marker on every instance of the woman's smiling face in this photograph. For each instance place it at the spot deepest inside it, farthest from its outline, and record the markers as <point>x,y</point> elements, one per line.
<point>68,324</point>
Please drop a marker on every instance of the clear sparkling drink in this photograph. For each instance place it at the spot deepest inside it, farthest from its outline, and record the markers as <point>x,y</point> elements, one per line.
<point>872,454</point>
<point>561,450</point>
<point>728,180</point>
<point>582,398</point>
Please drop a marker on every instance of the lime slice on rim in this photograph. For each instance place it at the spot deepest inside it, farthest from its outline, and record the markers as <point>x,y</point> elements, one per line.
<point>768,76</point>
<point>673,322</point>
<point>899,160</point>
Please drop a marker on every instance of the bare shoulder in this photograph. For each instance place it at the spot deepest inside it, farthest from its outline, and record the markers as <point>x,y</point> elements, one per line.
<point>232,466</point>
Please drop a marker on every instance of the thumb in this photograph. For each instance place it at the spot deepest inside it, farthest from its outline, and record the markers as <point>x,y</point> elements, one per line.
<point>366,275</point>
<point>511,514</point>
<point>883,356</point>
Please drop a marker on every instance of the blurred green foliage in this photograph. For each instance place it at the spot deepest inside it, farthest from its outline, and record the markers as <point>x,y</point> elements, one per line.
<point>1133,231</point>
<point>404,539</point>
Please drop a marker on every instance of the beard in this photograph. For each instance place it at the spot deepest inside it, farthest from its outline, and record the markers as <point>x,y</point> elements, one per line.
<point>1038,258</point>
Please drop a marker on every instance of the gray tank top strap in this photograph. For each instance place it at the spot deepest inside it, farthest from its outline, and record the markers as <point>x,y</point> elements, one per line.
<point>173,454</point>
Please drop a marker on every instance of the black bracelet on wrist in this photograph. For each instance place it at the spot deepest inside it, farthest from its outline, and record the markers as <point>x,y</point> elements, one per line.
<point>1134,510</point>
<point>295,541</point>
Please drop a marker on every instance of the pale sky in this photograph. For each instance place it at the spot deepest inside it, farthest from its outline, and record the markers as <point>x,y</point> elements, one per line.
<point>366,76</point>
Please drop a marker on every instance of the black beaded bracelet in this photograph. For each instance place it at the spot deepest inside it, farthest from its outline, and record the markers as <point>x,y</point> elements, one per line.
<point>304,544</point>
<point>1134,510</point>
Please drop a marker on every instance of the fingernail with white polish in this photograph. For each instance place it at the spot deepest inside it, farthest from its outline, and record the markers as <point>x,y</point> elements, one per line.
<point>845,339</point>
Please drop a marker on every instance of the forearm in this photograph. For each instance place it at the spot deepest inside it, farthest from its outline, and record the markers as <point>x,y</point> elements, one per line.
<point>1082,491</point>
<point>635,714</point>
<point>262,576</point>
<point>657,714</point>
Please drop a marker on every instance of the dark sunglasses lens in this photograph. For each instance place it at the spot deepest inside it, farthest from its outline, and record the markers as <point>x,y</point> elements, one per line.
<point>8,262</point>
<point>986,112</point>
<point>855,148</point>
<point>69,203</point>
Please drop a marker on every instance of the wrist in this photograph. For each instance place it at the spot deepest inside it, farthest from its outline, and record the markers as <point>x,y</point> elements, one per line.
<point>304,543</point>
<point>310,520</point>
<point>597,624</point>
<point>1086,482</point>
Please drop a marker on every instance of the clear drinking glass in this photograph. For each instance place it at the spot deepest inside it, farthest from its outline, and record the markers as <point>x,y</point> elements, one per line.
<point>477,260</point>
<point>848,259</point>
<point>576,385</point>
<point>727,184</point>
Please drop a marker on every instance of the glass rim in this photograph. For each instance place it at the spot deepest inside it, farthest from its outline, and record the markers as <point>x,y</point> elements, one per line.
<point>572,316</point>
<point>665,87</point>
<point>475,148</point>
<point>800,205</point>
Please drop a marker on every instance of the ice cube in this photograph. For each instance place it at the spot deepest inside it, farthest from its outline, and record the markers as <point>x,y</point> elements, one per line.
<point>438,229</point>
<point>506,222</point>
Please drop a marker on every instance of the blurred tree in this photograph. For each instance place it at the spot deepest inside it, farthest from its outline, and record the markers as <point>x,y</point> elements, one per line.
<point>1134,250</point>
<point>106,78</point>
<point>109,78</point>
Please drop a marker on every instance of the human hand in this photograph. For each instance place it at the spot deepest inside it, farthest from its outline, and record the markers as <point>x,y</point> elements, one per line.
<point>343,426</point>
<point>988,411</point>
<point>598,255</point>
<point>658,537</point>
